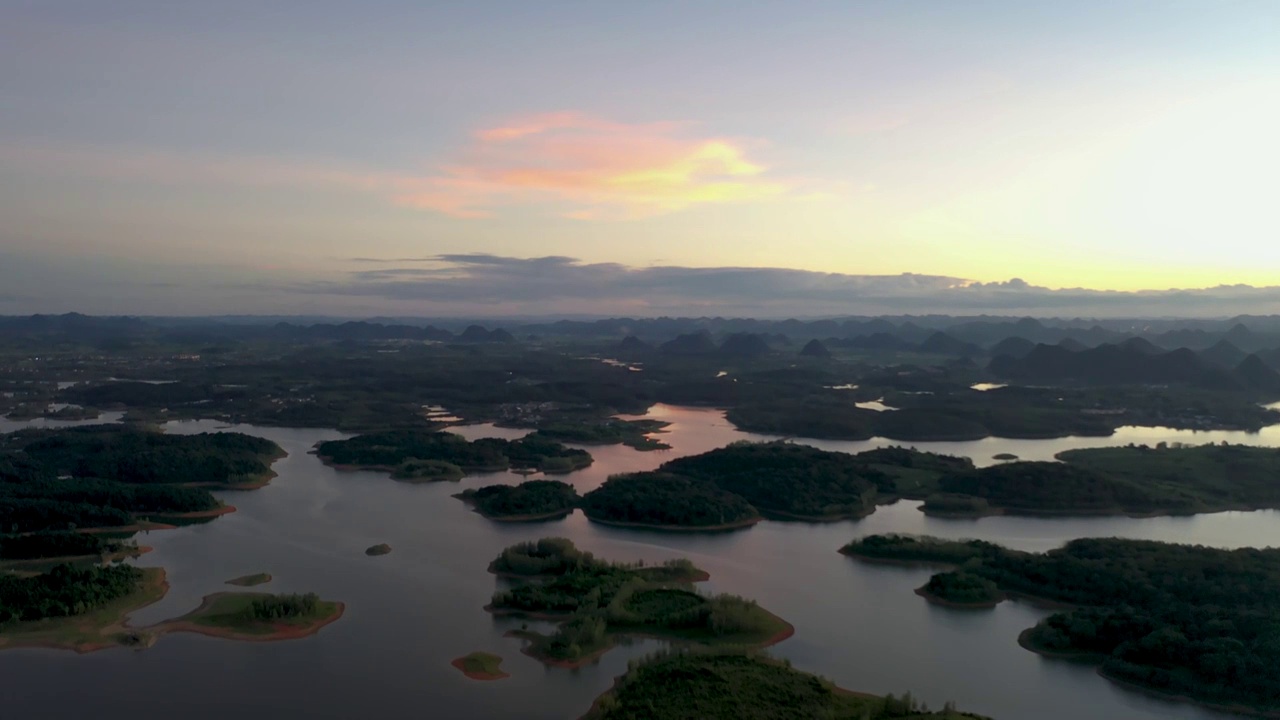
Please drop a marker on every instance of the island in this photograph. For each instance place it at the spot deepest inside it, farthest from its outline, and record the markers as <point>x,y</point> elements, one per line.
<point>595,602</point>
<point>961,590</point>
<point>665,501</point>
<point>85,609</point>
<point>425,455</point>
<point>1187,622</point>
<point>111,476</point>
<point>250,580</point>
<point>788,481</point>
<point>255,617</point>
<point>1133,480</point>
<point>530,501</point>
<point>721,685</point>
<point>611,431</point>
<point>480,666</point>
<point>380,549</point>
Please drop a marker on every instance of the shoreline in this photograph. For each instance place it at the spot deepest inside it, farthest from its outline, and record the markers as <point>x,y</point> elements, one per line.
<point>461,664</point>
<point>943,602</point>
<point>1096,659</point>
<point>281,631</point>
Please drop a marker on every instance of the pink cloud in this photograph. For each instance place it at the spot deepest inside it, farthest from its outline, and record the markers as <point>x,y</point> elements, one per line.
<point>570,164</point>
<point>589,168</point>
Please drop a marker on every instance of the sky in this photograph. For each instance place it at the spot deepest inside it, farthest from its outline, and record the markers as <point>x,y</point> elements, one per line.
<point>804,158</point>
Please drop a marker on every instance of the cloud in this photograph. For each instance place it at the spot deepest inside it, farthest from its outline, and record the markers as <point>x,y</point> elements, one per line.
<point>483,283</point>
<point>590,168</point>
<point>567,164</point>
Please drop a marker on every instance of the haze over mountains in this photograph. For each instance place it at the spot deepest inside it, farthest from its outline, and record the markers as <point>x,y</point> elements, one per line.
<point>1241,352</point>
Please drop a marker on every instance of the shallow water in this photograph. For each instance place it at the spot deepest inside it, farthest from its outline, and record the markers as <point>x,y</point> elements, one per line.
<point>411,612</point>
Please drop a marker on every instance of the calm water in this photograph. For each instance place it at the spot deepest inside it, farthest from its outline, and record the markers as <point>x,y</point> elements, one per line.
<point>409,613</point>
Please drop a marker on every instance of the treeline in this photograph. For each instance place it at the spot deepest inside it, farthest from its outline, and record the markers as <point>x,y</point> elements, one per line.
<point>112,452</point>
<point>732,686</point>
<point>595,600</point>
<point>534,498</point>
<point>393,449</point>
<point>1181,619</point>
<point>665,500</point>
<point>284,607</point>
<point>106,476</point>
<point>55,544</point>
<point>1132,479</point>
<point>64,591</point>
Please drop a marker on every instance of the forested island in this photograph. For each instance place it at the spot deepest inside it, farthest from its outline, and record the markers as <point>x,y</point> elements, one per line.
<point>529,501</point>
<point>611,431</point>
<point>737,485</point>
<point>480,666</point>
<point>110,476</point>
<point>1179,620</point>
<point>84,609</point>
<point>434,455</point>
<point>596,601</point>
<point>666,501</point>
<point>1132,480</point>
<point>731,686</point>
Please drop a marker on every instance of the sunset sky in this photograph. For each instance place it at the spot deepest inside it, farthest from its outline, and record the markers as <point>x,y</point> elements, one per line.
<point>429,158</point>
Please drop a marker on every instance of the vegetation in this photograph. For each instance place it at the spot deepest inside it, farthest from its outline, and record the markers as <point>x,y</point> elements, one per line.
<point>64,591</point>
<point>63,544</point>
<point>734,686</point>
<point>611,431</point>
<point>107,476</point>
<point>1186,478</point>
<point>380,549</point>
<point>664,500</point>
<point>962,589</point>
<point>532,500</point>
<point>595,601</point>
<point>787,480</point>
<point>429,454</point>
<point>246,615</point>
<point>92,628</point>
<point>1137,480</point>
<point>1177,619</point>
<point>481,666</point>
<point>415,470</point>
<point>548,556</point>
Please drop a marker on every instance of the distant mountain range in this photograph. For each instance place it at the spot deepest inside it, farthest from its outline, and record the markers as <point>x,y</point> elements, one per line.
<point>1036,347</point>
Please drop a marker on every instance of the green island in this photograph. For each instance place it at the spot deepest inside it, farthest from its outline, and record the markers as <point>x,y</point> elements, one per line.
<point>379,549</point>
<point>716,685</point>
<point>1004,457</point>
<point>251,580</point>
<point>85,609</point>
<point>595,602</point>
<point>962,590</point>
<point>1131,480</point>
<point>527,502</point>
<point>480,666</point>
<point>426,455</point>
<point>737,485</point>
<point>1187,622</point>
<point>664,501</point>
<point>256,617</point>
<point>58,484</point>
<point>611,431</point>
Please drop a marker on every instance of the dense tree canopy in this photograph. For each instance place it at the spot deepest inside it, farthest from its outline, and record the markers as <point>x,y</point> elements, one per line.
<point>528,499</point>
<point>666,500</point>
<point>64,591</point>
<point>1182,619</point>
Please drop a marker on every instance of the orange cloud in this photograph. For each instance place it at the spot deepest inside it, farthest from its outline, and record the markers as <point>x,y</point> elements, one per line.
<point>590,168</point>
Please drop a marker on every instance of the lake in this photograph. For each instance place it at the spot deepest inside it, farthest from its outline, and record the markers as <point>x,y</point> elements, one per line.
<point>411,612</point>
